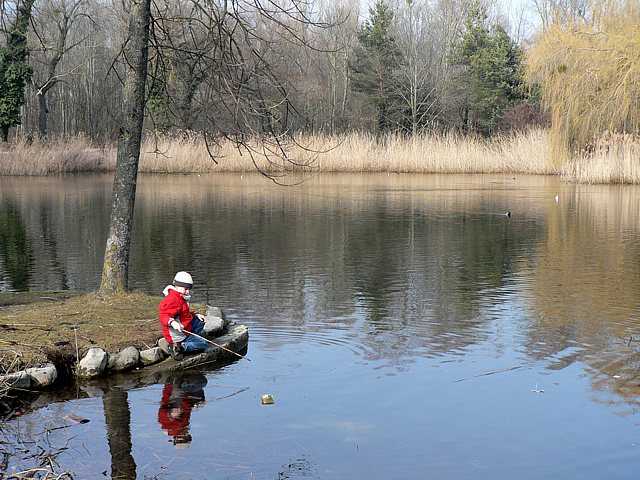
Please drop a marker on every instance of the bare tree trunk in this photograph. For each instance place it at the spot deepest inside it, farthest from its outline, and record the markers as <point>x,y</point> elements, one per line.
<point>42,113</point>
<point>116,258</point>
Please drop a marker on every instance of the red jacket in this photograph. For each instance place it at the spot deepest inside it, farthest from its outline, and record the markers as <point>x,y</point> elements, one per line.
<point>173,306</point>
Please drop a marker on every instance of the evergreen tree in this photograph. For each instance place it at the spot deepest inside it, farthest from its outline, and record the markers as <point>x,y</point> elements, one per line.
<point>375,63</point>
<point>491,75</point>
<point>15,70</point>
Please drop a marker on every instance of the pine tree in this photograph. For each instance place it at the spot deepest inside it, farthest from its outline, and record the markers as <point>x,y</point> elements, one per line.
<point>375,64</point>
<point>491,74</point>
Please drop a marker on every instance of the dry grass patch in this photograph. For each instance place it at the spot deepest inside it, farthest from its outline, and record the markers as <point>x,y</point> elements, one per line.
<point>57,327</point>
<point>54,155</point>
<point>354,152</point>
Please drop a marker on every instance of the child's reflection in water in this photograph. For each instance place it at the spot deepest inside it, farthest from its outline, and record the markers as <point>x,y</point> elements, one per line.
<point>179,396</point>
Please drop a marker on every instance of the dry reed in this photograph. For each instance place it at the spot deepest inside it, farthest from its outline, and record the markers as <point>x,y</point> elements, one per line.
<point>54,155</point>
<point>615,159</point>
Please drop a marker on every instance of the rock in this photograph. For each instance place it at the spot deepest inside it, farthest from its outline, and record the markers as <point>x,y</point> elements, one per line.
<point>93,364</point>
<point>163,346</point>
<point>151,356</point>
<point>125,359</point>
<point>16,380</point>
<point>42,376</point>
<point>213,326</point>
<point>215,312</point>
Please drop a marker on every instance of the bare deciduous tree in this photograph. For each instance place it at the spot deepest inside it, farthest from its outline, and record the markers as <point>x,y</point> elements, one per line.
<point>53,22</point>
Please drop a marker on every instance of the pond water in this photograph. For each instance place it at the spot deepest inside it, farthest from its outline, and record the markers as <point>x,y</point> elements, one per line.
<point>406,327</point>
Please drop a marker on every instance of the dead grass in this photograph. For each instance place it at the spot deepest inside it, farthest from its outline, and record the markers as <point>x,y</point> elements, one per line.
<point>448,153</point>
<point>54,155</point>
<point>40,328</point>
<point>523,152</point>
<point>615,158</point>
<point>355,152</point>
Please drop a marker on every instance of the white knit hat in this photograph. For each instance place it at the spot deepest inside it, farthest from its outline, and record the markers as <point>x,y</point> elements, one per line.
<point>183,279</point>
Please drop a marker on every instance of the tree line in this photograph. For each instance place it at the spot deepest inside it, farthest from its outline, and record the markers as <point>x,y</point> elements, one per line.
<point>247,67</point>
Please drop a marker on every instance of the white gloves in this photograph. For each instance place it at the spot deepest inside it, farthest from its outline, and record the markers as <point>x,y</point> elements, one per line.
<point>176,325</point>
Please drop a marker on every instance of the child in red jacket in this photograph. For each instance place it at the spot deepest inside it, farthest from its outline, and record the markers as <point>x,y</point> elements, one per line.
<point>178,321</point>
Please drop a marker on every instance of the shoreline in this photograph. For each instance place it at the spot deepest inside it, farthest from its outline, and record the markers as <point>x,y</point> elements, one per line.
<point>57,350</point>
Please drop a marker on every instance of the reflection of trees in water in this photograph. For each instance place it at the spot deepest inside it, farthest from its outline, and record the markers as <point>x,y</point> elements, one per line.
<point>118,420</point>
<point>584,288</point>
<point>49,234</point>
<point>413,276</point>
<point>15,250</point>
<point>412,263</point>
<point>63,222</point>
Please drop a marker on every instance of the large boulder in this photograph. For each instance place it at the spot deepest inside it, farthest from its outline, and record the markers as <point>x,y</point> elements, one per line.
<point>93,363</point>
<point>125,359</point>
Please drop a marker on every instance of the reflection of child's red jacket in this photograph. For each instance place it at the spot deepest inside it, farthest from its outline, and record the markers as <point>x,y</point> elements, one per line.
<point>175,424</point>
<point>173,306</point>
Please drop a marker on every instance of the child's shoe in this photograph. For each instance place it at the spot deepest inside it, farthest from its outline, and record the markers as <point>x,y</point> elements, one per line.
<point>176,352</point>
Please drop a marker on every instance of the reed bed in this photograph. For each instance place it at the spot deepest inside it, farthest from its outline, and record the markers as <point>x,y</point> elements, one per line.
<point>614,159</point>
<point>355,152</point>
<point>53,156</point>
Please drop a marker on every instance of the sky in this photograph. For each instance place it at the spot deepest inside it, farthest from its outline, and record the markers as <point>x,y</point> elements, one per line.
<point>520,14</point>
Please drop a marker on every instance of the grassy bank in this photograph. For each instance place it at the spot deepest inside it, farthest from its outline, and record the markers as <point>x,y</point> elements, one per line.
<point>41,327</point>
<point>614,160</point>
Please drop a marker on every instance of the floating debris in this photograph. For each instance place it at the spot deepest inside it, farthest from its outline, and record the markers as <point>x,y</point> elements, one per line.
<point>537,390</point>
<point>75,418</point>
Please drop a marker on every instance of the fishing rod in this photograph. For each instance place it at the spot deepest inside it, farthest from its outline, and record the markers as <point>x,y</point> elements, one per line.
<point>216,344</point>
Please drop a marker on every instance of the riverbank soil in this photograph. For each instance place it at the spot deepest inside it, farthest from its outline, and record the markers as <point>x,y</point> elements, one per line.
<point>59,327</point>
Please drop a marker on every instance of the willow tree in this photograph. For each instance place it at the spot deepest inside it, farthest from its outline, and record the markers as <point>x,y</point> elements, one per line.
<point>588,70</point>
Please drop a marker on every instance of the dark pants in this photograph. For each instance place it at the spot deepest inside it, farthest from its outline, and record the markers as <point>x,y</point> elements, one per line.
<point>193,343</point>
